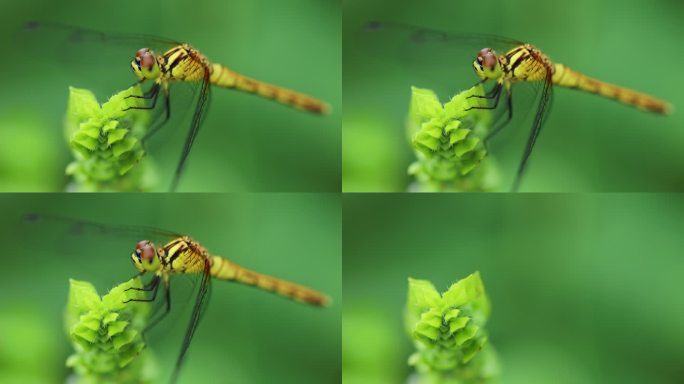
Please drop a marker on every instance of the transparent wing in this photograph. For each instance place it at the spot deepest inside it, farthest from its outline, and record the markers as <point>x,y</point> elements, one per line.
<point>77,227</point>
<point>90,50</point>
<point>85,57</point>
<point>419,56</point>
<point>170,122</point>
<point>545,102</point>
<point>418,46</point>
<point>197,119</point>
<point>514,111</point>
<point>447,58</point>
<point>198,309</point>
<point>79,35</point>
<point>422,35</point>
<point>158,295</point>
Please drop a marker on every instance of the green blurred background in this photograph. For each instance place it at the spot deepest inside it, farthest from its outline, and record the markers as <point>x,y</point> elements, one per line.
<point>584,289</point>
<point>246,335</point>
<point>588,143</point>
<point>246,143</point>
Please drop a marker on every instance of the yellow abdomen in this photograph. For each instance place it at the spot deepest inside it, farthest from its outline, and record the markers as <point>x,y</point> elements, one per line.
<point>566,77</point>
<point>224,77</point>
<point>226,270</point>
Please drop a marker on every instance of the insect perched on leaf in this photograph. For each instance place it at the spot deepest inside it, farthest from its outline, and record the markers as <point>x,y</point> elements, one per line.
<point>178,62</point>
<point>518,62</point>
<point>180,255</point>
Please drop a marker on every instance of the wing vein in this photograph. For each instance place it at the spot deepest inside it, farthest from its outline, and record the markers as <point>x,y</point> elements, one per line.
<point>544,103</point>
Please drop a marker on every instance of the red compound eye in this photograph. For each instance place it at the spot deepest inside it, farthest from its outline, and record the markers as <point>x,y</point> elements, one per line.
<point>145,58</point>
<point>145,250</point>
<point>487,58</point>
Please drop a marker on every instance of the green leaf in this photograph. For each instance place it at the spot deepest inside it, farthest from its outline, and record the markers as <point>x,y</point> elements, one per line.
<point>425,104</point>
<point>106,332</point>
<point>82,104</point>
<point>116,135</point>
<point>116,106</point>
<point>124,338</point>
<point>421,295</point>
<point>106,141</point>
<point>448,141</point>
<point>457,324</point>
<point>82,297</point>
<point>110,318</point>
<point>449,332</point>
<point>115,299</point>
<point>469,290</point>
<point>115,328</point>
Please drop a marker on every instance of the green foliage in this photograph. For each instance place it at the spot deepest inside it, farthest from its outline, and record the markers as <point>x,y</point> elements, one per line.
<point>106,141</point>
<point>106,333</point>
<point>447,140</point>
<point>448,332</point>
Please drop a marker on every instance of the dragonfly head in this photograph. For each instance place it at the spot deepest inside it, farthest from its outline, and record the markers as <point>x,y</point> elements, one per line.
<point>487,64</point>
<point>145,257</point>
<point>145,64</point>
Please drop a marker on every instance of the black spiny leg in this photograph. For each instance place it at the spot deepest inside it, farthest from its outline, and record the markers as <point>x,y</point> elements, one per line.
<point>152,94</point>
<point>158,125</point>
<point>157,319</point>
<point>539,118</point>
<point>137,275</point>
<point>489,95</point>
<point>495,94</point>
<point>502,123</point>
<point>154,287</point>
<point>137,83</point>
<point>146,288</point>
<point>148,94</point>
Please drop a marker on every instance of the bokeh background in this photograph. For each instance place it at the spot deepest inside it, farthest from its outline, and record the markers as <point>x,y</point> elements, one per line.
<point>245,336</point>
<point>587,144</point>
<point>584,289</point>
<point>246,143</point>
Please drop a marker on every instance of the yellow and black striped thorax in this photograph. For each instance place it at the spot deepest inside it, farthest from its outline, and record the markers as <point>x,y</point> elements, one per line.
<point>184,63</point>
<point>525,63</point>
<point>183,255</point>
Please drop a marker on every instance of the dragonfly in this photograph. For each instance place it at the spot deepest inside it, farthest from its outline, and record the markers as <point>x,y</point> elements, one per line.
<point>519,62</point>
<point>181,62</point>
<point>182,255</point>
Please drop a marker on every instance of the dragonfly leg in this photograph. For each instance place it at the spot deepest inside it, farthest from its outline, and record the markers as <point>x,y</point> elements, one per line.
<point>147,287</point>
<point>137,275</point>
<point>167,109</point>
<point>137,83</point>
<point>153,95</point>
<point>502,123</point>
<point>151,92</point>
<point>496,96</point>
<point>154,288</point>
<point>492,93</point>
<point>157,319</point>
<point>148,95</point>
